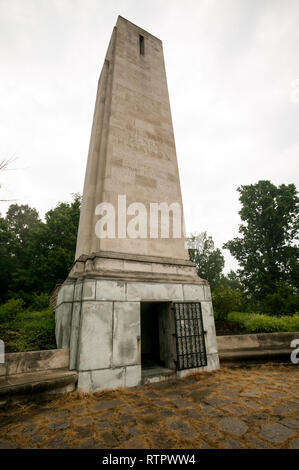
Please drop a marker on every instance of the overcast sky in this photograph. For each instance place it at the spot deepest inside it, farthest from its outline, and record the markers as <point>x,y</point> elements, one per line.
<point>231,65</point>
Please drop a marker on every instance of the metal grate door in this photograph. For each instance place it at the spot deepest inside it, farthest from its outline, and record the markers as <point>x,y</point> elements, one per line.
<point>190,340</point>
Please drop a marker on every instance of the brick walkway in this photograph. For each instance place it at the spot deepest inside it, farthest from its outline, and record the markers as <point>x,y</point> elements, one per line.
<point>231,408</point>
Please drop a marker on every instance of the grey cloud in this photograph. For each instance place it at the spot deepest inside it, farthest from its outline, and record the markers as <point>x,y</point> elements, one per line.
<point>230,67</point>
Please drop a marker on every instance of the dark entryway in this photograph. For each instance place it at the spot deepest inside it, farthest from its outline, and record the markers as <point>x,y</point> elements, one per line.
<point>158,348</point>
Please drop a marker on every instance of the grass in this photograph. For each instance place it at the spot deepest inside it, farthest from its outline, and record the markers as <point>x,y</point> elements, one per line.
<point>260,323</point>
<point>28,331</point>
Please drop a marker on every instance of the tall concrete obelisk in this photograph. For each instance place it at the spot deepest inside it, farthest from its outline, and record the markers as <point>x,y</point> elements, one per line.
<point>135,265</point>
<point>132,149</point>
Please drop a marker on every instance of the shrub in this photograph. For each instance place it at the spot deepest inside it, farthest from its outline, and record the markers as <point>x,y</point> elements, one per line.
<point>29,331</point>
<point>40,301</point>
<point>225,299</point>
<point>32,331</point>
<point>285,299</point>
<point>10,309</point>
<point>259,323</point>
<point>39,332</point>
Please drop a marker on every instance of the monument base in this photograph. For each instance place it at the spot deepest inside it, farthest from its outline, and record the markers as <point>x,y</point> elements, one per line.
<point>120,314</point>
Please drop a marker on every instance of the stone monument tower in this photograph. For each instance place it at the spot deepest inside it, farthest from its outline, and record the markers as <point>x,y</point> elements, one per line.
<point>133,309</point>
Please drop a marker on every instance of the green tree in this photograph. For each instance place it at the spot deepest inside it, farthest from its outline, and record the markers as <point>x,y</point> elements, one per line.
<point>21,219</point>
<point>225,299</point>
<point>37,253</point>
<point>6,261</point>
<point>208,260</point>
<point>231,280</point>
<point>284,301</point>
<point>266,252</point>
<point>52,245</point>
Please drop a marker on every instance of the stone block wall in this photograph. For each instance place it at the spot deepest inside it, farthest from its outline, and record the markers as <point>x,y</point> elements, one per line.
<point>99,320</point>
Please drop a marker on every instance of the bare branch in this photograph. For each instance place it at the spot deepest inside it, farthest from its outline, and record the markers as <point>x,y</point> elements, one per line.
<point>6,162</point>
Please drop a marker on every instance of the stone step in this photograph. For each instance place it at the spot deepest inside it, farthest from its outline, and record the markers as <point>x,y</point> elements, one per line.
<point>156,374</point>
<point>36,385</point>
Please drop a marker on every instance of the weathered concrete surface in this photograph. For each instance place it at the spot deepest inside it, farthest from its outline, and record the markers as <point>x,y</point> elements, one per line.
<point>95,380</point>
<point>133,376</point>
<point>35,361</point>
<point>109,379</point>
<point>63,316</point>
<point>75,332</point>
<point>193,293</point>
<point>132,149</point>
<point>134,267</point>
<point>209,327</point>
<point>29,386</point>
<point>95,341</point>
<point>252,408</point>
<point>66,294</point>
<point>30,375</point>
<point>256,341</point>
<point>150,291</point>
<point>102,328</point>
<point>255,346</point>
<point>126,334</point>
<point>110,290</point>
<point>89,290</point>
<point>132,154</point>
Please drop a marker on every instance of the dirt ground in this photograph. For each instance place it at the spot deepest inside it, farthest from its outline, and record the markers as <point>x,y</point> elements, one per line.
<point>252,408</point>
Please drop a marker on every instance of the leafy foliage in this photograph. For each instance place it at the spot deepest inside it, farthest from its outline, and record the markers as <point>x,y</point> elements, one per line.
<point>40,302</point>
<point>258,323</point>
<point>231,280</point>
<point>284,300</point>
<point>29,331</point>
<point>225,299</point>
<point>208,260</point>
<point>10,309</point>
<point>6,257</point>
<point>35,254</point>
<point>266,251</point>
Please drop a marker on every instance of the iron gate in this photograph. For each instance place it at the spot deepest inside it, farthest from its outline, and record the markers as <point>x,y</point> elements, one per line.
<point>190,340</point>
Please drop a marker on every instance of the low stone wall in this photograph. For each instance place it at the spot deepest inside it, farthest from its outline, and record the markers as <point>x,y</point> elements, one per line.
<point>262,345</point>
<point>34,361</point>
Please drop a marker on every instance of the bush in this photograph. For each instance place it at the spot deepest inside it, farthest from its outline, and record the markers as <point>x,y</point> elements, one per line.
<point>225,299</point>
<point>38,331</point>
<point>10,309</point>
<point>29,331</point>
<point>285,299</point>
<point>259,323</point>
<point>40,302</point>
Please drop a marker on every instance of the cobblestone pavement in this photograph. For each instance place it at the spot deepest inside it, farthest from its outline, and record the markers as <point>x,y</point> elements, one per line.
<point>231,408</point>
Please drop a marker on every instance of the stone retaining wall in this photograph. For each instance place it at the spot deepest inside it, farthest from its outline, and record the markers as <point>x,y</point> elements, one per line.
<point>34,361</point>
<point>255,346</point>
<point>256,341</point>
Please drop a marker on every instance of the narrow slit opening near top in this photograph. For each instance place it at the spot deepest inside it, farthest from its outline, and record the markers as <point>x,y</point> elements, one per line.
<point>141,44</point>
